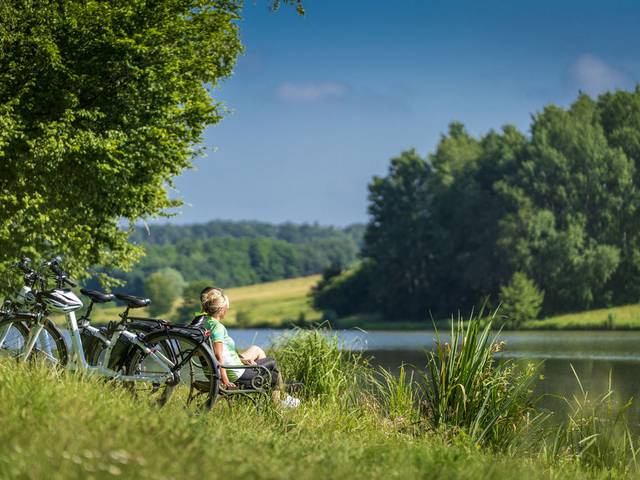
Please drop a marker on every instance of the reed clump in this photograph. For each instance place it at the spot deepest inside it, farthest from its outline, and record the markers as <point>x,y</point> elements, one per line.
<point>466,390</point>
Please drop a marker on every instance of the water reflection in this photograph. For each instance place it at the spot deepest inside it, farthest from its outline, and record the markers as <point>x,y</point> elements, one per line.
<point>593,355</point>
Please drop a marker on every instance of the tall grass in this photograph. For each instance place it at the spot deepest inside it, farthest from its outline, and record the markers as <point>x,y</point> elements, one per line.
<point>62,426</point>
<point>596,432</point>
<point>399,396</point>
<point>467,390</point>
<point>314,358</point>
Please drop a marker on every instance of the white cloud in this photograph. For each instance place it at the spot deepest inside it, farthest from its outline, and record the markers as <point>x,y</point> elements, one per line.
<point>592,75</point>
<point>309,92</point>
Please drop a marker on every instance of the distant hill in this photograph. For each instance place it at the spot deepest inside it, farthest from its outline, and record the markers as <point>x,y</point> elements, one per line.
<point>233,254</point>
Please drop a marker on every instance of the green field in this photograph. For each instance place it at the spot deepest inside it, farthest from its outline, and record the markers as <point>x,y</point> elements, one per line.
<point>626,317</point>
<point>281,303</point>
<point>272,304</point>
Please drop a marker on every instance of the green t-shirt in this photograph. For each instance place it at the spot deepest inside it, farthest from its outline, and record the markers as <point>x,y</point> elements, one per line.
<point>229,353</point>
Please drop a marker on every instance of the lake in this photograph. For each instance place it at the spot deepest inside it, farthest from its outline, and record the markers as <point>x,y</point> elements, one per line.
<point>594,355</point>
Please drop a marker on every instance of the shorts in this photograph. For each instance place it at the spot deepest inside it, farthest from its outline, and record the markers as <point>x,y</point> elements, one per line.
<point>251,373</point>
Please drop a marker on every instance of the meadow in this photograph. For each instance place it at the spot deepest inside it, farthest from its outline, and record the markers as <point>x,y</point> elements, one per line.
<point>354,422</point>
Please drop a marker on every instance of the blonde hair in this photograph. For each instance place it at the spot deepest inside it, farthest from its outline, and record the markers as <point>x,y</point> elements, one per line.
<point>214,301</point>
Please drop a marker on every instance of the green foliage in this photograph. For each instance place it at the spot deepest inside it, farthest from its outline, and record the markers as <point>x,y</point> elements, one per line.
<point>314,358</point>
<point>163,287</point>
<point>559,206</point>
<point>101,105</point>
<point>230,254</point>
<point>466,389</point>
<point>520,301</point>
<point>191,300</point>
<point>341,293</point>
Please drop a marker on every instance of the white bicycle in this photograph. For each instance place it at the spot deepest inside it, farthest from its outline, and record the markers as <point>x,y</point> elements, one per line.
<point>170,363</point>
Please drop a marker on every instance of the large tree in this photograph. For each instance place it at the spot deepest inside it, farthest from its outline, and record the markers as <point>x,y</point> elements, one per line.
<point>102,103</point>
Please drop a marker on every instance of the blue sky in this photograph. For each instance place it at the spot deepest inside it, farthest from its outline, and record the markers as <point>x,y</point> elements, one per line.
<point>320,104</point>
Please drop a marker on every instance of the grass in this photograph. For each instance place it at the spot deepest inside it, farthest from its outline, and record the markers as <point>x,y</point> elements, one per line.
<point>62,426</point>
<point>273,304</point>
<point>626,317</point>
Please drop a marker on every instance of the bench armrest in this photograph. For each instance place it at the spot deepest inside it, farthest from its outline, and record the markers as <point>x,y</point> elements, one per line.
<point>263,377</point>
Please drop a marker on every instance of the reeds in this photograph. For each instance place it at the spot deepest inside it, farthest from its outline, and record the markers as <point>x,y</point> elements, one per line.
<point>595,432</point>
<point>467,390</point>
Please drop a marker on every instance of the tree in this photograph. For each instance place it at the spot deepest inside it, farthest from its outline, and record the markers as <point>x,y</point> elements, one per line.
<point>102,103</point>
<point>574,197</point>
<point>520,301</point>
<point>398,237</point>
<point>163,287</point>
<point>191,300</point>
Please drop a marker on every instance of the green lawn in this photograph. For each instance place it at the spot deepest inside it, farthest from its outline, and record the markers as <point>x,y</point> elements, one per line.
<point>272,304</point>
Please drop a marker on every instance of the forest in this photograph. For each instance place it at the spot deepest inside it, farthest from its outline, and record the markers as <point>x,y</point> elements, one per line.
<point>542,222</point>
<point>235,253</point>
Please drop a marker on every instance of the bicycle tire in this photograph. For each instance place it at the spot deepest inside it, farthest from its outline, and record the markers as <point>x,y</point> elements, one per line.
<point>198,382</point>
<point>43,347</point>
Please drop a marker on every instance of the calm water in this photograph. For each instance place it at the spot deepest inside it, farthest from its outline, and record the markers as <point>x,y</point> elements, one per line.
<point>594,355</point>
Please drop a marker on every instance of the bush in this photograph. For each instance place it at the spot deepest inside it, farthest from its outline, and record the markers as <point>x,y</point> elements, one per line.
<point>163,287</point>
<point>521,301</point>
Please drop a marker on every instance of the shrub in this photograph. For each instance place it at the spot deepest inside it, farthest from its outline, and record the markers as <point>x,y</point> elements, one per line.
<point>344,292</point>
<point>521,301</point>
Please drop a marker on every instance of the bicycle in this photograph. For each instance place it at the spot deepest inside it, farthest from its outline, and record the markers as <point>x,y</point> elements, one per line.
<point>170,361</point>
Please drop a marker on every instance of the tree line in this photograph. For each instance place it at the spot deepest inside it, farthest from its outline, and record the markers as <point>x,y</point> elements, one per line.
<point>229,254</point>
<point>544,222</point>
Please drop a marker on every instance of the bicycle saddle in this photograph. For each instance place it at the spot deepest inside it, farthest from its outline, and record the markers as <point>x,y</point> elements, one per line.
<point>198,321</point>
<point>96,296</point>
<point>133,302</point>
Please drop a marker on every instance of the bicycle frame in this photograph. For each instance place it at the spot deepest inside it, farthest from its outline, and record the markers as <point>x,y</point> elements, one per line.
<point>77,360</point>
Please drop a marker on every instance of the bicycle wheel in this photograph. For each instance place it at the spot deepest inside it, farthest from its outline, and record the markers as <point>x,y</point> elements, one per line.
<point>13,338</point>
<point>195,381</point>
<point>50,346</point>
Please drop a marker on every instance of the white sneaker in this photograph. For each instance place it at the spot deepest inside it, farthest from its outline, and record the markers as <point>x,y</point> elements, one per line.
<point>291,402</point>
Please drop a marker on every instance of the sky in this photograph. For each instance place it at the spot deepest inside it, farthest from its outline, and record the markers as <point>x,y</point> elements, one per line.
<point>319,104</point>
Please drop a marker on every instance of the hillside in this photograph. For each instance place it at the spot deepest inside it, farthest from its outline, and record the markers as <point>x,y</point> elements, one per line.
<point>271,304</point>
<point>231,254</point>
